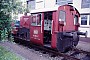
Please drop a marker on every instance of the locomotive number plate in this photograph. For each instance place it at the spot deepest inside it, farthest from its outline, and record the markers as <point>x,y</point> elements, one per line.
<point>35,31</point>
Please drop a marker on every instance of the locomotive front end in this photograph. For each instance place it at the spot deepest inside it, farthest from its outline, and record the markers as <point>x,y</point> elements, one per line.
<point>68,23</point>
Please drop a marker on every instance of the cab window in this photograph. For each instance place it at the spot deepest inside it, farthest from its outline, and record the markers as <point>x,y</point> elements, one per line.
<point>36,20</point>
<point>75,19</point>
<point>62,16</point>
<point>33,20</point>
<point>39,19</point>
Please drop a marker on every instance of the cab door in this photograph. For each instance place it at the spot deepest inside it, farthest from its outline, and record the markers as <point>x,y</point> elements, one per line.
<point>36,28</point>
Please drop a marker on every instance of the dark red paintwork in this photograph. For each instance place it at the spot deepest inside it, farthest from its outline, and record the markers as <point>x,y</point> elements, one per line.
<point>37,38</point>
<point>60,26</point>
<point>25,21</point>
<point>69,26</point>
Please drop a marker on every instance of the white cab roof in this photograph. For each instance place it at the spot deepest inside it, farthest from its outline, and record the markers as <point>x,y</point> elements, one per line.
<point>44,10</point>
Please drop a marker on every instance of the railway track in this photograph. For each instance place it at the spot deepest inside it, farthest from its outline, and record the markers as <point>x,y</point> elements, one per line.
<point>74,54</point>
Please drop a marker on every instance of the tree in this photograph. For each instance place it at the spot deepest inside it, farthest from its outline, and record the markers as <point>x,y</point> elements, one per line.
<point>6,9</point>
<point>18,8</point>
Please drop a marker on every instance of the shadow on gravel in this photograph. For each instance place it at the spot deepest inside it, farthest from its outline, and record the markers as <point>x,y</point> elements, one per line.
<point>86,58</point>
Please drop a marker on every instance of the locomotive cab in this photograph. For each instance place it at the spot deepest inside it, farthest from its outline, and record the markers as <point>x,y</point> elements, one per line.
<point>55,27</point>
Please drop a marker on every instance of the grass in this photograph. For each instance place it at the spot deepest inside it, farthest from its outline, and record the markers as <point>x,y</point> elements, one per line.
<point>7,55</point>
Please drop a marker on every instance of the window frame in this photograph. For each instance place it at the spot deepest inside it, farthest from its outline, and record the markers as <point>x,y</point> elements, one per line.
<point>31,4</point>
<point>64,15</point>
<point>84,20</point>
<point>36,22</point>
<point>32,23</point>
<point>85,4</point>
<point>75,19</point>
<point>59,2</point>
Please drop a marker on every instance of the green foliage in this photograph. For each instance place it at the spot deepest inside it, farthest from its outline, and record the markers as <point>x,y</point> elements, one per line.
<point>7,8</point>
<point>4,34</point>
<point>5,18</point>
<point>6,55</point>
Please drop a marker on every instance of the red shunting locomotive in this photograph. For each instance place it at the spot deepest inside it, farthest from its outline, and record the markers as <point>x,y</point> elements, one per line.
<point>56,28</point>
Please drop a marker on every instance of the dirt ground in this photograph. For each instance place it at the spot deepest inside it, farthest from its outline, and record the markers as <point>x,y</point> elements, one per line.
<point>26,53</point>
<point>30,54</point>
<point>84,44</point>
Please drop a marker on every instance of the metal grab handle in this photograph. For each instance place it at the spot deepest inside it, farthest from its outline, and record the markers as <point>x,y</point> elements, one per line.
<point>41,25</point>
<point>52,27</point>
